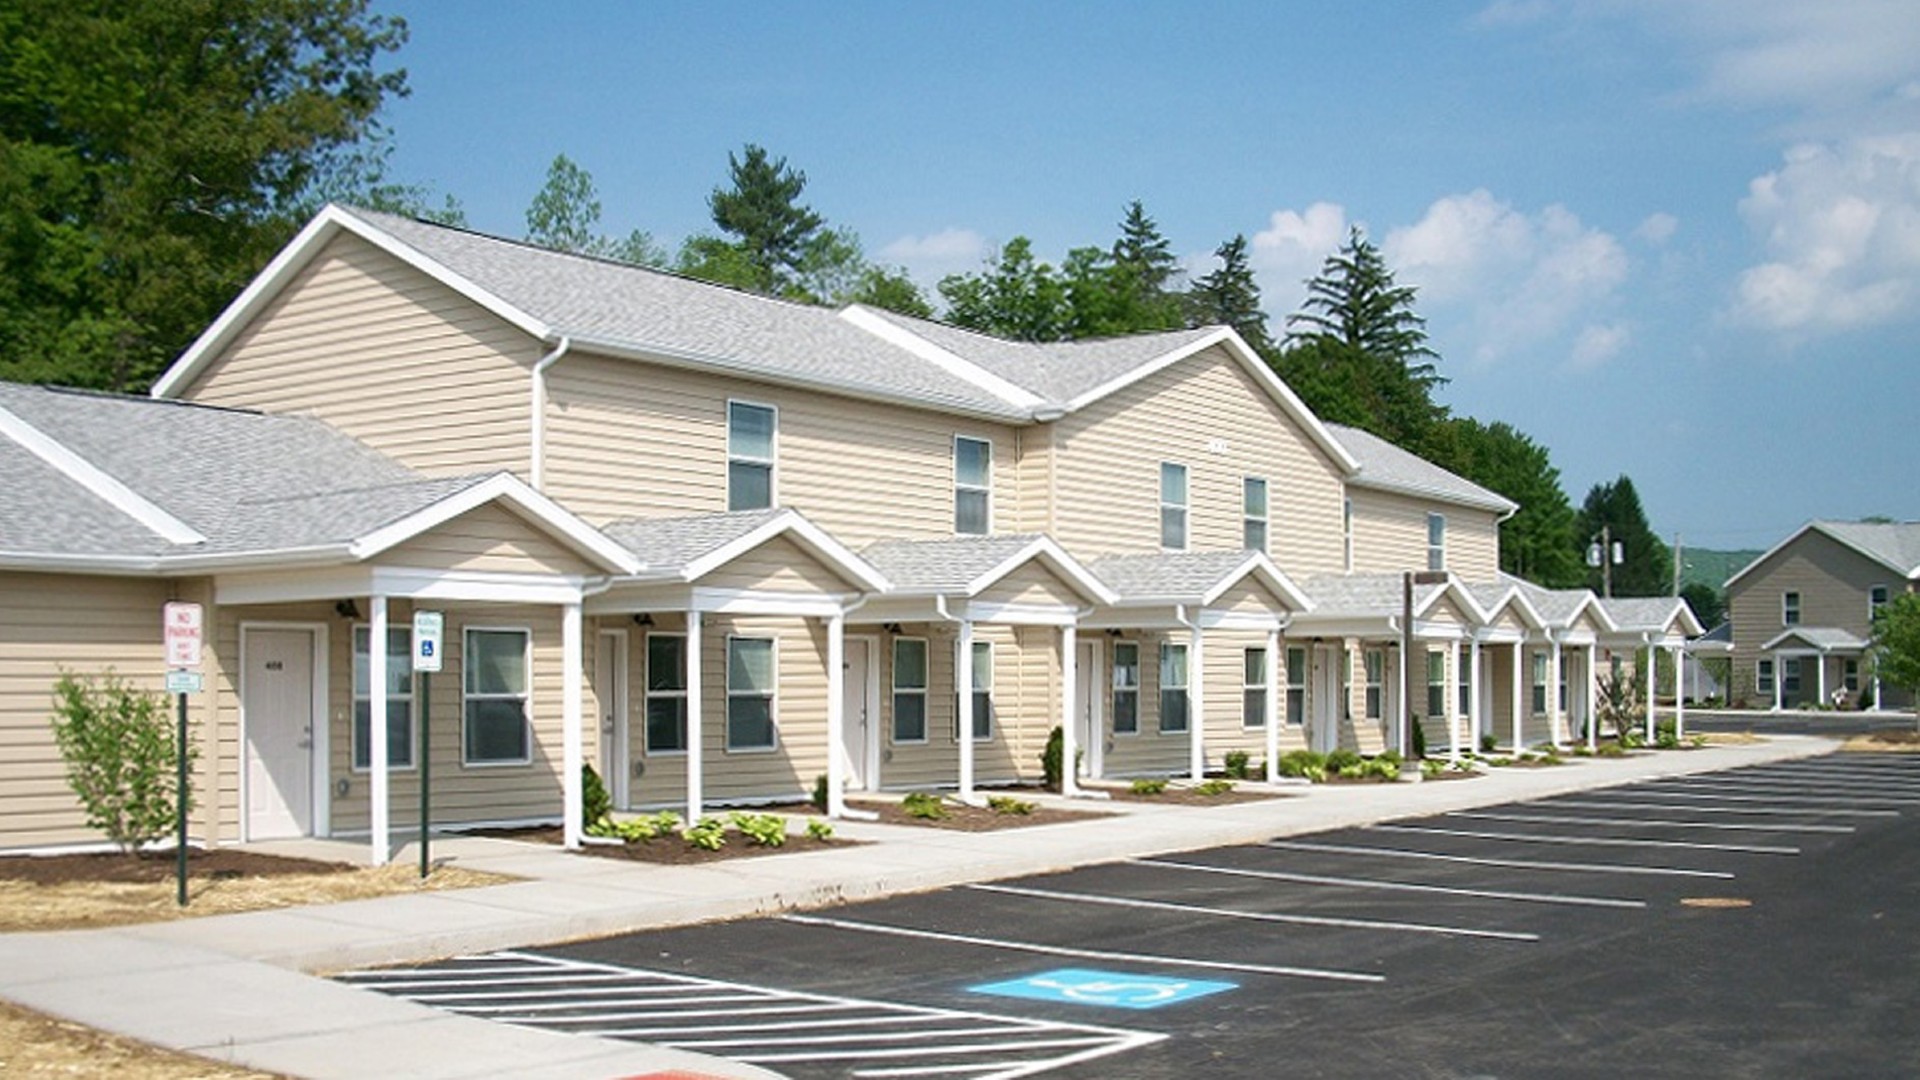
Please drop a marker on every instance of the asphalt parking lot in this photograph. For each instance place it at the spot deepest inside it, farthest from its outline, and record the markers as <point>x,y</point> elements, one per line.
<point>1754,922</point>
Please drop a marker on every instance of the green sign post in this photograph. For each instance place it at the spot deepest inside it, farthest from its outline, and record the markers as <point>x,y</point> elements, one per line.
<point>181,634</point>
<point>428,630</point>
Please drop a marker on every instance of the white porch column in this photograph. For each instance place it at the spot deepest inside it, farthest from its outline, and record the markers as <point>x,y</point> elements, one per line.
<point>1275,660</point>
<point>1820,679</point>
<point>377,727</point>
<point>1556,717</point>
<point>1779,684</point>
<point>963,684</point>
<point>1653,680</point>
<point>1593,697</point>
<point>1876,694</point>
<point>1519,662</point>
<point>572,741</point>
<point>1679,695</point>
<point>1196,711</point>
<point>836,714</point>
<point>1070,707</point>
<point>1476,717</point>
<point>695,711</point>
<point>1452,710</point>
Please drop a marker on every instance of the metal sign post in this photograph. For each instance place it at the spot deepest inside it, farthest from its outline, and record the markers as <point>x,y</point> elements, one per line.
<point>181,628</point>
<point>428,631</point>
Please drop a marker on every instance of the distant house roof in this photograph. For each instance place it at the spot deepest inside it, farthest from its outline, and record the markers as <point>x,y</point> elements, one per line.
<point>1894,545</point>
<point>1822,638</point>
<point>107,481</point>
<point>1389,468</point>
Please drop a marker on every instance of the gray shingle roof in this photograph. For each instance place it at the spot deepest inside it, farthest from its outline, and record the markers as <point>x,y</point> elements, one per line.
<point>942,566</point>
<point>1825,638</point>
<point>1642,613</point>
<point>1168,575</point>
<point>1556,606</point>
<point>1366,595</point>
<point>1388,467</point>
<point>669,545</point>
<point>1896,544</point>
<point>43,512</point>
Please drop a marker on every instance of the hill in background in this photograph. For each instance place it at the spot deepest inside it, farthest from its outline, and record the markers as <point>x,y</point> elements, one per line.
<point>1712,568</point>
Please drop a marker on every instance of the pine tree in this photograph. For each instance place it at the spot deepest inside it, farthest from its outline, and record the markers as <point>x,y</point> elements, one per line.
<point>763,213</point>
<point>1143,268</point>
<point>1229,296</point>
<point>1647,569</point>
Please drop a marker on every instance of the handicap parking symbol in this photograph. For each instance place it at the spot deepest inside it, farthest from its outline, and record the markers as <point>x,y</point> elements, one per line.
<point>1113,989</point>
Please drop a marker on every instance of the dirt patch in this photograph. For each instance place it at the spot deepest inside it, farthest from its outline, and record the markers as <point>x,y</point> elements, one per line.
<point>34,1044</point>
<point>1726,738</point>
<point>1885,742</point>
<point>67,892</point>
<point>669,850</point>
<point>1183,796</point>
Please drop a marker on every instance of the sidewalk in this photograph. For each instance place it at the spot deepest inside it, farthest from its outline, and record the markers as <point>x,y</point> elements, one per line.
<point>241,988</point>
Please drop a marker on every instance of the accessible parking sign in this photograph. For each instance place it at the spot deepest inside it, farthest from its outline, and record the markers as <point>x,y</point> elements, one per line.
<point>1112,989</point>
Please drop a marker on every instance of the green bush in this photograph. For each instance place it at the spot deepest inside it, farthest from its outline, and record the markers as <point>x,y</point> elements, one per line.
<point>1383,767</point>
<point>1341,759</point>
<point>920,804</point>
<point>709,834</point>
<point>1007,804</point>
<point>1392,757</point>
<point>1488,742</point>
<point>1305,764</point>
<point>1050,759</point>
<point>647,827</point>
<point>819,829</point>
<point>1417,735</point>
<point>819,796</point>
<point>1236,764</point>
<point>1432,767</point>
<point>119,746</point>
<point>763,830</point>
<point>1149,787</point>
<point>596,806</point>
<point>1210,788</point>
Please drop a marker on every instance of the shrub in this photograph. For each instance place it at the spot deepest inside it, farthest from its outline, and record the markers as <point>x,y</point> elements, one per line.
<point>920,804</point>
<point>1149,787</point>
<point>709,834</point>
<point>764,830</point>
<point>1341,759</point>
<point>819,796</point>
<point>648,827</point>
<point>1383,767</point>
<point>596,806</point>
<point>1417,735</point>
<point>1237,764</point>
<point>1050,759</point>
<point>1304,763</point>
<point>1210,788</point>
<point>118,742</point>
<point>1391,757</point>
<point>1432,768</point>
<point>819,829</point>
<point>1007,804</point>
<point>1488,742</point>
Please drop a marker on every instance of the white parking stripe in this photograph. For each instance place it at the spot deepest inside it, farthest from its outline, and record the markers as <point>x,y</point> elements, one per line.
<point>1592,841</point>
<point>1581,804</point>
<point>1736,826</point>
<point>1396,886</point>
<point>1517,864</point>
<point>1772,800</point>
<point>1253,916</point>
<point>1847,785</point>
<point>1085,954</point>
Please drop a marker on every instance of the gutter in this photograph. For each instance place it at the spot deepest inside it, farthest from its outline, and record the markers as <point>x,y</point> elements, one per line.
<point>537,429</point>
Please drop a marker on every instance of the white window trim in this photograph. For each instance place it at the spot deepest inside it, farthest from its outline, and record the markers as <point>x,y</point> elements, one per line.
<point>773,698</point>
<point>772,462</point>
<point>1537,691</point>
<point>959,487</point>
<point>1886,597</point>
<point>647,694</point>
<point>1373,684</point>
<point>1436,553</point>
<point>1185,688</point>
<point>1265,518</point>
<point>924,691</point>
<point>1260,686</point>
<point>993,657</point>
<point>1184,506</point>
<point>1764,676</point>
<point>1785,607</point>
<point>466,759</point>
<point>1114,691</point>
<point>353,726</point>
<point>1436,682</point>
<point>1288,686</point>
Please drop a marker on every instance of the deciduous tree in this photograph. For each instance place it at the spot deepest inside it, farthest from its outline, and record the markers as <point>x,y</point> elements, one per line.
<point>1896,643</point>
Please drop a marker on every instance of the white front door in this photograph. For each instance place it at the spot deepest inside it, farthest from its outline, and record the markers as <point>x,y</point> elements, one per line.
<point>277,701</point>
<point>856,703</point>
<point>1088,731</point>
<point>1329,699</point>
<point>610,688</point>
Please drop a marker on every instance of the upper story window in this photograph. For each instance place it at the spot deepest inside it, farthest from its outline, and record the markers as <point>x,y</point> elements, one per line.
<point>972,486</point>
<point>1436,541</point>
<point>1253,513</point>
<point>1790,609</point>
<point>750,437</point>
<point>1346,532</point>
<point>1876,599</point>
<point>1173,506</point>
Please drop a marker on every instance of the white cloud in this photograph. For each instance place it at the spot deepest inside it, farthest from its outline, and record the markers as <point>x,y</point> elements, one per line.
<point>1292,248</point>
<point>1840,225</point>
<point>935,255</point>
<point>1521,281</point>
<point>1598,344</point>
<point>1657,229</point>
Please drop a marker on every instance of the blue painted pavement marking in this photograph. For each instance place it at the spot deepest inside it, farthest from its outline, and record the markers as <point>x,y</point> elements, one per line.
<point>1115,989</point>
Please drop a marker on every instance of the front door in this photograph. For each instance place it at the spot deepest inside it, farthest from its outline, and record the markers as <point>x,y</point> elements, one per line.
<point>610,688</point>
<point>1088,731</point>
<point>277,704</point>
<point>1329,698</point>
<point>856,728</point>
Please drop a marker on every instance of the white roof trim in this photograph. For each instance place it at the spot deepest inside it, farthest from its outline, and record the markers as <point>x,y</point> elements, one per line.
<point>292,259</point>
<point>1260,565</point>
<point>83,472</point>
<point>1528,613</point>
<point>950,362</point>
<point>1499,504</point>
<point>577,534</point>
<point>1056,556</point>
<point>1904,571</point>
<point>814,539</point>
<point>1475,613</point>
<point>1290,402</point>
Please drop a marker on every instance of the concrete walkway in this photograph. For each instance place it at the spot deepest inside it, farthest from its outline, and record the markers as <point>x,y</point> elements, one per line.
<point>242,988</point>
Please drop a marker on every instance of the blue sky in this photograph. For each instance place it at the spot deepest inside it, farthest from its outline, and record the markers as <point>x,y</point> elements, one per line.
<point>1676,239</point>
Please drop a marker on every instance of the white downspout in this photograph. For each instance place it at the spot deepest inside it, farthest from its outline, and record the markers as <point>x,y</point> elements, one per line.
<point>537,430</point>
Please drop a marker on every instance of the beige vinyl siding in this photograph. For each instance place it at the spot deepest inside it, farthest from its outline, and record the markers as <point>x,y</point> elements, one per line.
<point>487,538</point>
<point>1390,535</point>
<point>84,625</point>
<point>389,356</point>
<point>1832,580</point>
<point>1148,752</point>
<point>1026,698</point>
<point>778,565</point>
<point>1208,414</point>
<point>1225,696</point>
<point>1034,475</point>
<point>1250,597</point>
<point>1032,585</point>
<point>627,439</point>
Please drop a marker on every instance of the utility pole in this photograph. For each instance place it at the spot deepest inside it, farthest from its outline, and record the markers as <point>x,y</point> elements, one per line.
<point>1604,553</point>
<point>1679,560</point>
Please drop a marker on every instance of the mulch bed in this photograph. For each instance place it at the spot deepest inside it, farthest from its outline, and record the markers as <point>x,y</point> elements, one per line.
<point>1178,796</point>
<point>216,864</point>
<point>667,850</point>
<point>973,818</point>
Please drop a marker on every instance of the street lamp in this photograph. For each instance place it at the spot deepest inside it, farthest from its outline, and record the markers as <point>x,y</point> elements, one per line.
<point>1604,552</point>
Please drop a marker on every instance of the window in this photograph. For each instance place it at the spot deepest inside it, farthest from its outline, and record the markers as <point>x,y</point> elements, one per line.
<point>495,680</point>
<point>1563,685</point>
<point>1346,532</point>
<point>399,698</point>
<point>750,430</point>
<point>1850,675</point>
<point>972,486</point>
<point>1436,541</point>
<point>1876,599</point>
<point>1173,506</point>
<point>1763,677</point>
<point>1253,689</point>
<point>1790,609</point>
<point>909,690</point>
<point>1126,688</point>
<point>1436,683</point>
<point>982,692</point>
<point>1790,675</point>
<point>1376,661</point>
<point>1296,685</point>
<point>1253,513</point>
<point>1539,683</point>
<point>666,693</point>
<point>1173,688</point>
<point>1466,695</point>
<point>751,675</point>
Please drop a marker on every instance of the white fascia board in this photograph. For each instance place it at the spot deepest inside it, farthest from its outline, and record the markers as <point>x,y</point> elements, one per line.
<point>1528,613</point>
<point>1460,594</point>
<point>811,538</point>
<point>1239,620</point>
<point>1023,614</point>
<point>116,565</point>
<point>1337,625</point>
<point>97,481</point>
<point>1063,564</point>
<point>292,259</point>
<point>950,362</point>
<point>549,515</point>
<point>726,601</point>
<point>1499,504</point>
<point>1236,347</point>
<point>1263,567</point>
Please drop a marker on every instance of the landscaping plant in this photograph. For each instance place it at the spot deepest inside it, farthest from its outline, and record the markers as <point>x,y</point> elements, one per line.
<point>596,806</point>
<point>1305,764</point>
<point>1007,804</point>
<point>1210,788</point>
<point>709,834</point>
<point>1236,761</point>
<point>920,804</point>
<point>118,742</point>
<point>764,830</point>
<point>819,829</point>
<point>1149,787</point>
